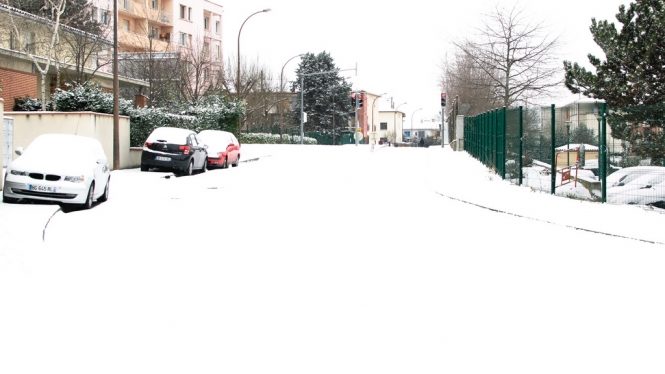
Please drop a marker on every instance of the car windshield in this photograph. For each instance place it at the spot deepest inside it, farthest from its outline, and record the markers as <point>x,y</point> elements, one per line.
<point>60,147</point>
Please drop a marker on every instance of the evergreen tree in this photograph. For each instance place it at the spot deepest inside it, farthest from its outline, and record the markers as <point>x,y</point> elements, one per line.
<point>325,94</point>
<point>631,79</point>
<point>78,13</point>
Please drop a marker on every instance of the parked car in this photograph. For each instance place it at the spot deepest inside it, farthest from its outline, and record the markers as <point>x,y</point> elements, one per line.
<point>178,150</point>
<point>643,185</point>
<point>63,168</point>
<point>223,148</point>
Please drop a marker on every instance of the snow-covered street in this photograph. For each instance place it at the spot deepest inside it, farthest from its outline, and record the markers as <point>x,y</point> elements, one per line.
<point>317,259</point>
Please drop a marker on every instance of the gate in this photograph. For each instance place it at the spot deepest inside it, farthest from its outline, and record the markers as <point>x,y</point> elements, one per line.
<point>8,132</point>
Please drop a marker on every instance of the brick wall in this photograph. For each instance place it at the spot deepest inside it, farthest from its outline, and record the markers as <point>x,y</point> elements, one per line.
<point>17,84</point>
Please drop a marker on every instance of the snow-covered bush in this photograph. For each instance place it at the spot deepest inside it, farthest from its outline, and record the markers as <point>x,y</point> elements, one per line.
<point>261,138</point>
<point>144,120</point>
<point>86,97</point>
<point>215,113</point>
<point>27,104</point>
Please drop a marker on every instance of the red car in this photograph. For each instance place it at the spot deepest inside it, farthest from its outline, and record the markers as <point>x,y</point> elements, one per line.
<point>223,148</point>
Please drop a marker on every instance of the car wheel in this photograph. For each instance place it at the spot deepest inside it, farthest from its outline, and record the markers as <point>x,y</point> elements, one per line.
<point>237,162</point>
<point>105,196</point>
<point>144,168</point>
<point>225,165</point>
<point>190,168</point>
<point>9,200</point>
<point>89,199</point>
<point>205,165</point>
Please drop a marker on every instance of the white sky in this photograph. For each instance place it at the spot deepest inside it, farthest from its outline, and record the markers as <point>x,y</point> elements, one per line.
<point>318,259</point>
<point>399,47</point>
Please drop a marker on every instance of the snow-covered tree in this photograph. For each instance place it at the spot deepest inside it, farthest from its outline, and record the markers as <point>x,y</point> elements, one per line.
<point>324,95</point>
<point>631,78</point>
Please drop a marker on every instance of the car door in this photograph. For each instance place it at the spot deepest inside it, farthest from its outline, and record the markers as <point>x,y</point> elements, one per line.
<point>233,148</point>
<point>199,151</point>
<point>100,163</point>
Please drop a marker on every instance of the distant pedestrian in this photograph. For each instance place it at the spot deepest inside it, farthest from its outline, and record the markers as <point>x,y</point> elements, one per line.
<point>421,143</point>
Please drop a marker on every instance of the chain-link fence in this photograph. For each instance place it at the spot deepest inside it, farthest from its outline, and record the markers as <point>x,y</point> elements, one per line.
<point>581,150</point>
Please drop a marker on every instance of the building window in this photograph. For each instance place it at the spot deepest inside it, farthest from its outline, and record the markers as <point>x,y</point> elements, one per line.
<point>29,42</point>
<point>183,38</point>
<point>154,4</point>
<point>95,13</point>
<point>206,23</point>
<point>106,17</point>
<point>206,74</point>
<point>13,42</point>
<point>383,125</point>
<point>217,27</point>
<point>183,10</point>
<point>154,32</point>
<point>218,53</point>
<point>189,13</point>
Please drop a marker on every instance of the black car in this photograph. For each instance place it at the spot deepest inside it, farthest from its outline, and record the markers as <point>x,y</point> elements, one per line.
<point>174,149</point>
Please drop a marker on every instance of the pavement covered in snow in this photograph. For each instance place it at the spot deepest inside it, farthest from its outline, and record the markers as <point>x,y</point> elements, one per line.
<point>332,259</point>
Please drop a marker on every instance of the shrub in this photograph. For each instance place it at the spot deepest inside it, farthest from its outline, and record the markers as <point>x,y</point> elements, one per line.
<point>260,138</point>
<point>144,120</point>
<point>27,104</point>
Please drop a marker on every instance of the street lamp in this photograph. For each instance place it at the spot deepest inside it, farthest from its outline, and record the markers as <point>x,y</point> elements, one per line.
<point>414,112</point>
<point>281,90</point>
<point>373,104</point>
<point>239,31</point>
<point>395,119</point>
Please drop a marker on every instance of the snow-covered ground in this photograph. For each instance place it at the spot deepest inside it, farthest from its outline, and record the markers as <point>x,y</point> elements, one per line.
<point>330,260</point>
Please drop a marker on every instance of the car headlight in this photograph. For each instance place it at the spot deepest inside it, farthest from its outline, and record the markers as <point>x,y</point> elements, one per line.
<point>75,178</point>
<point>19,172</point>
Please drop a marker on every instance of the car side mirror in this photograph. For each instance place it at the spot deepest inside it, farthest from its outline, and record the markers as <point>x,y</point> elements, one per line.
<point>19,151</point>
<point>100,162</point>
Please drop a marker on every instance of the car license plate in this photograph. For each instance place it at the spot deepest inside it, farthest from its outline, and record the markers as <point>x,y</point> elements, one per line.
<point>38,188</point>
<point>162,158</point>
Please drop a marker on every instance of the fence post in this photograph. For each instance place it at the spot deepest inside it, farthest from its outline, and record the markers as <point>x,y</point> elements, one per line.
<point>521,134</point>
<point>502,129</point>
<point>602,163</point>
<point>552,150</point>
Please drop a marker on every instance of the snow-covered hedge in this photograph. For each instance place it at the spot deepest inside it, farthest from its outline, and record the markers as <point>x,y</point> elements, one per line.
<point>144,120</point>
<point>259,138</point>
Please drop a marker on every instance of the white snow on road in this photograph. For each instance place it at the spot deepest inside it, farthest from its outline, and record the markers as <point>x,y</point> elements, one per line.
<point>330,260</point>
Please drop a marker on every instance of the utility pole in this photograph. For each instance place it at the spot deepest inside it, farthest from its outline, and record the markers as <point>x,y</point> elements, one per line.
<point>116,92</point>
<point>444,96</point>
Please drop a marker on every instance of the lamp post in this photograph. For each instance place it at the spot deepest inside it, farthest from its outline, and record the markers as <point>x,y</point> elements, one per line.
<point>239,31</point>
<point>373,104</point>
<point>395,119</point>
<point>281,90</point>
<point>414,112</point>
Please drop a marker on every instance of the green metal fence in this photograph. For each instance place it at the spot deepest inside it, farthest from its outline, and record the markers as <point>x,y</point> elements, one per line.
<point>581,150</point>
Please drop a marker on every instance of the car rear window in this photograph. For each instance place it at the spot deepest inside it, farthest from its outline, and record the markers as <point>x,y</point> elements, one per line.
<point>169,135</point>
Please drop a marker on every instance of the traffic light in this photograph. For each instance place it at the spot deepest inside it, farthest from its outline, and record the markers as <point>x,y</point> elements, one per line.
<point>353,100</point>
<point>361,99</point>
<point>443,98</point>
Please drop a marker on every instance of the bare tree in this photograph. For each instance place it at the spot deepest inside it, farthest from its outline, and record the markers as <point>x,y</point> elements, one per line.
<point>41,52</point>
<point>199,72</point>
<point>516,56</point>
<point>471,85</point>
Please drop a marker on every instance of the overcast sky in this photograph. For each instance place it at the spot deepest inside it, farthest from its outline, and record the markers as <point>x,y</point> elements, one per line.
<point>399,49</point>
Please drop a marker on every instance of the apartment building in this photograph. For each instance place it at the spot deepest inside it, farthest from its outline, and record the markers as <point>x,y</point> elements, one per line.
<point>165,25</point>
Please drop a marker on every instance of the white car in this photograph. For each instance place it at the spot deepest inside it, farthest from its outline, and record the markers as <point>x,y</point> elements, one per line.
<point>68,169</point>
<point>642,185</point>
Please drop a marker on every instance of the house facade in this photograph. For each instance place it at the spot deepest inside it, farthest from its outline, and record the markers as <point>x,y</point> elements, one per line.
<point>391,125</point>
<point>77,55</point>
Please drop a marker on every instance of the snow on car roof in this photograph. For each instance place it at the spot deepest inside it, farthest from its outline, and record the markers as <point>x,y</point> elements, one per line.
<point>575,147</point>
<point>169,135</point>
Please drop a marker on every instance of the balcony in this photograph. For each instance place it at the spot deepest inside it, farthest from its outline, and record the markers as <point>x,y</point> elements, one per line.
<point>140,42</point>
